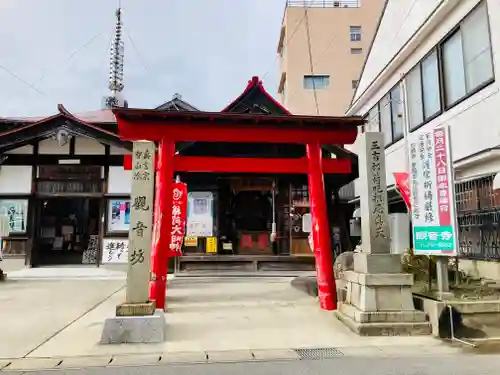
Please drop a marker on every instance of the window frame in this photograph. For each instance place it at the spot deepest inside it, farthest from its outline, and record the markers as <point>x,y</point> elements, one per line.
<point>451,34</point>
<point>355,36</point>
<point>314,87</point>
<point>440,80</point>
<point>438,48</point>
<point>400,104</point>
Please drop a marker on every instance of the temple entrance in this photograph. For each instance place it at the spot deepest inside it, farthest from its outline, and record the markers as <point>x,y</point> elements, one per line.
<point>68,231</point>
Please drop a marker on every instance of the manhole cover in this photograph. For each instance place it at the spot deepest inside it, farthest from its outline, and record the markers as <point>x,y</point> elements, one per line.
<point>319,353</point>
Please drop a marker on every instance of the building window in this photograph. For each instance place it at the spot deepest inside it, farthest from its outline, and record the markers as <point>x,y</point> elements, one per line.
<point>422,85</point>
<point>355,33</point>
<point>354,84</point>
<point>430,86</point>
<point>356,51</point>
<point>385,119</point>
<point>467,57</point>
<point>397,125</point>
<point>373,119</point>
<point>316,82</point>
<point>414,97</point>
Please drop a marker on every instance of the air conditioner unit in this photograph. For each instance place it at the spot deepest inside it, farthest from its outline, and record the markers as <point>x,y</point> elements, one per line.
<point>336,4</point>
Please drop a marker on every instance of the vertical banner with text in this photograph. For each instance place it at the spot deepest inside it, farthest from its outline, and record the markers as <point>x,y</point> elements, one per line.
<point>179,213</point>
<point>432,193</point>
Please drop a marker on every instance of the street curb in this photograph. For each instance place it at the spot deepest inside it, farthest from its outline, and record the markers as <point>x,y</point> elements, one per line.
<point>27,364</point>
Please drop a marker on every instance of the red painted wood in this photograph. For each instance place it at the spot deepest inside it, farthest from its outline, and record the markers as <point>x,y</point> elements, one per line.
<point>163,233</point>
<point>327,292</point>
<point>132,130</point>
<point>256,165</point>
<point>127,162</point>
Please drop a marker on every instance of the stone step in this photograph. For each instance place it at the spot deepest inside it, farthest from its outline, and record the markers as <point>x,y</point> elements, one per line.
<point>386,329</point>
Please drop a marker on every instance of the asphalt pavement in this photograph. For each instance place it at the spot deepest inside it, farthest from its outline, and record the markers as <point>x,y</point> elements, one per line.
<point>446,365</point>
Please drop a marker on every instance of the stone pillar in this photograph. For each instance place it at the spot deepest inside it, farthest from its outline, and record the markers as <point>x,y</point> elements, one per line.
<point>137,320</point>
<point>378,299</point>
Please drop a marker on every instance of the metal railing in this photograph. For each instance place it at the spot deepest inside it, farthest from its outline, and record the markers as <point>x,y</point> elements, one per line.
<point>324,3</point>
<point>478,213</point>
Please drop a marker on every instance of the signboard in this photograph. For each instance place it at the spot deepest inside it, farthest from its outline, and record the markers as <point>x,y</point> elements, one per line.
<point>179,208</point>
<point>432,193</point>
<point>190,241</point>
<point>211,245</point>
<point>200,219</point>
<point>114,250</point>
<point>119,216</point>
<point>16,211</point>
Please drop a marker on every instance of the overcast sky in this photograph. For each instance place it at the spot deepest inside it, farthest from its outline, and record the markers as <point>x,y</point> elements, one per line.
<point>206,50</point>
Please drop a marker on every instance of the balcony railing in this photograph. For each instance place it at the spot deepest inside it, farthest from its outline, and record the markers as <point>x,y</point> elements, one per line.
<point>324,3</point>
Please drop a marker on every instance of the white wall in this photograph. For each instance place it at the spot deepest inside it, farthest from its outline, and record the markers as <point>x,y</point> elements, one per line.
<point>28,149</point>
<point>400,21</point>
<point>119,181</point>
<point>15,179</point>
<point>87,146</point>
<point>473,123</point>
<point>113,150</point>
<point>51,146</point>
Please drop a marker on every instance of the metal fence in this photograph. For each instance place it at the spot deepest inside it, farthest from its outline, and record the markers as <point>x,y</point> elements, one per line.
<point>478,212</point>
<point>324,3</point>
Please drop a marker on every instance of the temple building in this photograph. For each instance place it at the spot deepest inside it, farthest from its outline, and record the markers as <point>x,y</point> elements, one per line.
<point>66,193</point>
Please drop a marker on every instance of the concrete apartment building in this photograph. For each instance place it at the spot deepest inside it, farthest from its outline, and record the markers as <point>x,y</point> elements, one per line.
<point>336,37</point>
<point>435,63</point>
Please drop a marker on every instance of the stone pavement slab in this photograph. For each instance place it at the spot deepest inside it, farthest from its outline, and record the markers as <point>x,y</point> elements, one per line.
<point>184,357</point>
<point>34,311</point>
<point>273,354</point>
<point>83,362</point>
<point>229,356</point>
<point>4,362</point>
<point>205,315</point>
<point>26,364</point>
<point>135,360</point>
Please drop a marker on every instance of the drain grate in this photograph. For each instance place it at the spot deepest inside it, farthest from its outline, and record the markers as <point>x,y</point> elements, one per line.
<point>318,353</point>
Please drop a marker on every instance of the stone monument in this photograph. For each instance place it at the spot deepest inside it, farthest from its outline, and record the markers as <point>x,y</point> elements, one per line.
<point>378,298</point>
<point>137,320</point>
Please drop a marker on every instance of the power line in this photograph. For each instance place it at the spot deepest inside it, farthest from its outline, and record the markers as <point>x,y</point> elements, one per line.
<point>30,85</point>
<point>48,71</point>
<point>137,51</point>
<point>309,50</point>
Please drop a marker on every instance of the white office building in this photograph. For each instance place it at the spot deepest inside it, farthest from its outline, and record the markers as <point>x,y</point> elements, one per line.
<point>435,63</point>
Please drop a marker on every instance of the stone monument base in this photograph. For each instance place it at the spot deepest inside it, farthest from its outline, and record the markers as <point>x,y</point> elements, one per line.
<point>381,305</point>
<point>145,329</point>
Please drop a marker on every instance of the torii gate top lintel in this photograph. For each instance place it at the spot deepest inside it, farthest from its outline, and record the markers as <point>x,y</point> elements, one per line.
<point>153,125</point>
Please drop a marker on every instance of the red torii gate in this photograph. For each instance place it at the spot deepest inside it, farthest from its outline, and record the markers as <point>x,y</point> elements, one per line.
<point>168,128</point>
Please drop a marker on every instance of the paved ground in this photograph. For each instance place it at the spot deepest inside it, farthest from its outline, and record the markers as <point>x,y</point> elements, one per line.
<point>48,324</point>
<point>466,365</point>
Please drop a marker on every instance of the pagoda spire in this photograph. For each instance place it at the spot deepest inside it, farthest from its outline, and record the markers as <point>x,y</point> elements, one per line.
<point>117,54</point>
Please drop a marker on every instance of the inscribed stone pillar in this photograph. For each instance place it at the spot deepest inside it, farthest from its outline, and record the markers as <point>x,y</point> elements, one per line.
<point>375,238</point>
<point>141,222</point>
